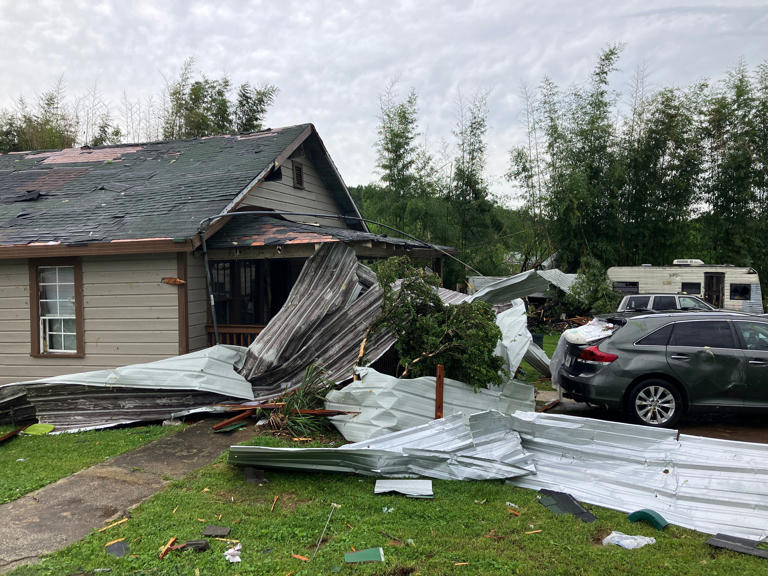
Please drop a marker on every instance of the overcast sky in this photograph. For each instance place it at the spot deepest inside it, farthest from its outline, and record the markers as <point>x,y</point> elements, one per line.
<point>332,59</point>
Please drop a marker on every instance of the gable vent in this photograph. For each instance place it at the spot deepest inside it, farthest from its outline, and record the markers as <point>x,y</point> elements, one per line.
<point>298,175</point>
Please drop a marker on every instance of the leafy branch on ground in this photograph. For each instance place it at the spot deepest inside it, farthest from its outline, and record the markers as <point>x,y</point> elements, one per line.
<point>309,395</point>
<point>462,338</point>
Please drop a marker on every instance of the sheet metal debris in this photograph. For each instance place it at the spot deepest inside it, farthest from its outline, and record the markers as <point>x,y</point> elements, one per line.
<point>560,503</point>
<point>410,488</point>
<point>328,312</point>
<point>388,404</point>
<point>486,447</point>
<point>520,285</point>
<point>734,544</point>
<point>709,485</point>
<point>132,393</point>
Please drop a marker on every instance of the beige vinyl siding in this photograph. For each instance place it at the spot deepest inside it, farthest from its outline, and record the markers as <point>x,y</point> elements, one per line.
<point>130,316</point>
<point>197,296</point>
<point>281,195</point>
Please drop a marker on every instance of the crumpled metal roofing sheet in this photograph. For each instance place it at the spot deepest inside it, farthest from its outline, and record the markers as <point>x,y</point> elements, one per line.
<point>208,370</point>
<point>388,404</point>
<point>484,448</point>
<point>713,486</point>
<point>520,285</point>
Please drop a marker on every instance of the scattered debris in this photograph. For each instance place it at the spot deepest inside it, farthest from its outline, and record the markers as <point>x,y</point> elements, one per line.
<point>627,541</point>
<point>735,544</point>
<point>713,486</point>
<point>233,554</point>
<point>226,424</point>
<point>167,547</point>
<point>650,516</point>
<point>387,404</point>
<point>300,557</point>
<point>39,429</point>
<point>534,532</point>
<point>560,503</point>
<point>410,488</point>
<point>367,555</point>
<point>123,521</point>
<point>486,447</point>
<point>211,531</point>
<point>272,509</point>
<point>387,510</point>
<point>319,540</point>
<point>13,433</point>
<point>196,545</point>
<point>118,548</point>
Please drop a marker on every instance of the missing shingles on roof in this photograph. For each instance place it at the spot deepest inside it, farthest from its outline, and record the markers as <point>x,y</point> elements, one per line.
<point>22,196</point>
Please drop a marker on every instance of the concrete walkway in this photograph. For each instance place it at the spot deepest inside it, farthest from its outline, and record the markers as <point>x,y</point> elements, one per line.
<point>65,512</point>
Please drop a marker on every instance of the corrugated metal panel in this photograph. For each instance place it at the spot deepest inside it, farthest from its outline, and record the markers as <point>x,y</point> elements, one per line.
<point>484,448</point>
<point>387,404</point>
<point>699,483</point>
<point>521,285</point>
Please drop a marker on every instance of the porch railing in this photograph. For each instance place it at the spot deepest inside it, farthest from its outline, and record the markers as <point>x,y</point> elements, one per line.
<point>234,334</point>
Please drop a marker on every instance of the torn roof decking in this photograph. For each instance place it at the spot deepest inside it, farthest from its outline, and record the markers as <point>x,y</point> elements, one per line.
<point>157,191</point>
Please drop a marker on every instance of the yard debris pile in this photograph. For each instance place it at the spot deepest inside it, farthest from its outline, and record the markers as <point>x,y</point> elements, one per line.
<point>325,321</point>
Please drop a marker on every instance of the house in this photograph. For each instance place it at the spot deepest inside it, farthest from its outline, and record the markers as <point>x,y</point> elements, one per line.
<point>103,250</point>
<point>723,285</point>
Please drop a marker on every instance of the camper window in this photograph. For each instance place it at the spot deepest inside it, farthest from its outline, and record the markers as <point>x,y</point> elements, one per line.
<point>741,292</point>
<point>691,288</point>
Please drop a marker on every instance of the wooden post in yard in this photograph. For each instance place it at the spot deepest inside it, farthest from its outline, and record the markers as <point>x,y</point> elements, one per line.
<point>439,380</point>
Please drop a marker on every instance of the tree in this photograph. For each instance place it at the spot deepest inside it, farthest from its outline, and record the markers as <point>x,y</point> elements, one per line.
<point>198,108</point>
<point>462,338</point>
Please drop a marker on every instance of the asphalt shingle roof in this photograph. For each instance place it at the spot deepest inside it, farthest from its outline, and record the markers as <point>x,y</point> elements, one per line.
<point>129,192</point>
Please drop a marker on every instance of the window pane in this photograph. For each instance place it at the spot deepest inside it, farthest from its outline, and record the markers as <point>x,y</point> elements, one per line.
<point>70,342</point>
<point>638,303</point>
<point>691,287</point>
<point>70,325</point>
<point>47,274</point>
<point>664,303</point>
<point>48,292</point>
<point>55,342</point>
<point>54,325</point>
<point>66,292</point>
<point>49,308</point>
<point>699,334</point>
<point>66,308</point>
<point>755,335</point>
<point>66,274</point>
<point>687,302</point>
<point>741,291</point>
<point>658,338</point>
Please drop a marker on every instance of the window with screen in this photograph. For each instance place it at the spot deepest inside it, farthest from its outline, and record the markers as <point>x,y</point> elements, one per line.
<point>57,318</point>
<point>713,334</point>
<point>627,287</point>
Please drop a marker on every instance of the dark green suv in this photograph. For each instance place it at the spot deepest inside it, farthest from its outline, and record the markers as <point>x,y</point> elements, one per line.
<point>656,367</point>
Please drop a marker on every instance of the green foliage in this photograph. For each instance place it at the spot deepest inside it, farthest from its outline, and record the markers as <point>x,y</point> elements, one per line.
<point>198,108</point>
<point>466,522</point>
<point>462,338</point>
<point>310,394</point>
<point>31,462</point>
<point>593,291</point>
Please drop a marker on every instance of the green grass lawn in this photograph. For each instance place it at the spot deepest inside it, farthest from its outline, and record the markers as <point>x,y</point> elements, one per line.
<point>467,522</point>
<point>30,462</point>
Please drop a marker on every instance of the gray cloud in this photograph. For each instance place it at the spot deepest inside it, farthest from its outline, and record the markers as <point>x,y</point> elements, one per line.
<point>332,59</point>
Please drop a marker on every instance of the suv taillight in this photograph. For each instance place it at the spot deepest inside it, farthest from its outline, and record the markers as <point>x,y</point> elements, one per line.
<point>594,355</point>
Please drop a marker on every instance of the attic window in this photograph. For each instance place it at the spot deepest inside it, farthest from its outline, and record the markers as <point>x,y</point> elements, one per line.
<point>298,175</point>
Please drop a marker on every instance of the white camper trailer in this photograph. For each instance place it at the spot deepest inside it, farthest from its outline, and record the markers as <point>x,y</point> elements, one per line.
<point>723,285</point>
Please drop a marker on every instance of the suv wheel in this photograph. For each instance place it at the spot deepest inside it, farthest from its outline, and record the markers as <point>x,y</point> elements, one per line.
<point>655,403</point>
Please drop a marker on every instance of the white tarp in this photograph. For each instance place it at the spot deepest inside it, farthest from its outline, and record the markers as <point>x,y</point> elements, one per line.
<point>713,486</point>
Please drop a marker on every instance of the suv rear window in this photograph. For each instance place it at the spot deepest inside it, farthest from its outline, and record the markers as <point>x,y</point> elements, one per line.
<point>705,333</point>
<point>658,338</point>
<point>664,303</point>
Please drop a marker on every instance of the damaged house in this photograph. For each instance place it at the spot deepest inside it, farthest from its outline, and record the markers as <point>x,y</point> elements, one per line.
<point>102,258</point>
